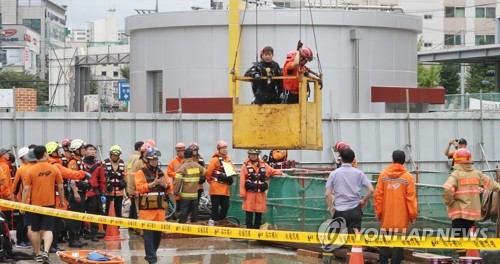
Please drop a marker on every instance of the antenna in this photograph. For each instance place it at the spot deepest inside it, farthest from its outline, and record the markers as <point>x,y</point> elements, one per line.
<point>147,11</point>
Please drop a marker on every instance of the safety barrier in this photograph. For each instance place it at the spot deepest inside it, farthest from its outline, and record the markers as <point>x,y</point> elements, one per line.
<point>268,235</point>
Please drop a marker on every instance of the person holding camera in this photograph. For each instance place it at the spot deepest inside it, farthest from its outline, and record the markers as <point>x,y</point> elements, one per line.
<point>458,144</point>
<point>219,175</point>
<point>254,177</point>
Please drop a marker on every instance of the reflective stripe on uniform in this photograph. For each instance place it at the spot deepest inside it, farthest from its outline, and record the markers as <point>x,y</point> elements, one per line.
<point>191,179</point>
<point>189,195</point>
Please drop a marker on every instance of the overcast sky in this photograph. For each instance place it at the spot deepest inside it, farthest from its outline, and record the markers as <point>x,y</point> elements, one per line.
<point>82,11</point>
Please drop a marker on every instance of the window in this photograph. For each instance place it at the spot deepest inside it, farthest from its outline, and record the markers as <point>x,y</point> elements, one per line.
<point>484,39</point>
<point>485,12</point>
<point>34,24</point>
<point>427,44</point>
<point>479,11</point>
<point>490,12</point>
<point>115,74</point>
<point>452,39</point>
<point>103,73</point>
<point>459,11</point>
<point>452,11</point>
<point>427,16</point>
<point>157,79</point>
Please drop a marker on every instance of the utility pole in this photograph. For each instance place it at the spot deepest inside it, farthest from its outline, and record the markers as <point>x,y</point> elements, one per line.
<point>462,73</point>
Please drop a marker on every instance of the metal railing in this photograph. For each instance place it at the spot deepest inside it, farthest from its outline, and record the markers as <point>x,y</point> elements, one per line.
<point>458,102</point>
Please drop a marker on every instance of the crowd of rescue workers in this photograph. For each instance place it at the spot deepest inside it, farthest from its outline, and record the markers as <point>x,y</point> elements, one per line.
<point>68,175</point>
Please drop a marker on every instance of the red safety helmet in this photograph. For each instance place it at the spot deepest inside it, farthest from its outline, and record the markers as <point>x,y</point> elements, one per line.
<point>306,53</point>
<point>462,156</point>
<point>340,145</point>
<point>221,144</point>
<point>194,146</point>
<point>66,142</point>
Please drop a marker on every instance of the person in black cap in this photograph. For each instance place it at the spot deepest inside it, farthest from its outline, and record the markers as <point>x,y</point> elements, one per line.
<point>458,144</point>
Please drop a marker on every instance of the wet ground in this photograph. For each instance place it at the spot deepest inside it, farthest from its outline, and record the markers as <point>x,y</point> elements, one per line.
<point>192,250</point>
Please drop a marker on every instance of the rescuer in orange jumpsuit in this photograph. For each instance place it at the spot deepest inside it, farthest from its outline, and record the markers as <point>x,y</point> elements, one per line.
<point>152,185</point>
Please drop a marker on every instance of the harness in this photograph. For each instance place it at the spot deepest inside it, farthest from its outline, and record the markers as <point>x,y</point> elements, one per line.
<point>114,179</point>
<point>256,181</point>
<point>219,174</point>
<point>156,197</point>
<point>84,186</point>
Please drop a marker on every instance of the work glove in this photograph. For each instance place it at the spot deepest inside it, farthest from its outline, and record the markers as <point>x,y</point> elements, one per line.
<point>229,180</point>
<point>257,77</point>
<point>320,83</point>
<point>87,176</point>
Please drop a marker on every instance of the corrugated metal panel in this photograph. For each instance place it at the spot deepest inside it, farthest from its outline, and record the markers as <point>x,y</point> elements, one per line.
<point>372,136</point>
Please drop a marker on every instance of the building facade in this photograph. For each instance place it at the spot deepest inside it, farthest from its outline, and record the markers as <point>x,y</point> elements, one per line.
<point>446,23</point>
<point>185,54</point>
<point>43,17</point>
<point>20,49</point>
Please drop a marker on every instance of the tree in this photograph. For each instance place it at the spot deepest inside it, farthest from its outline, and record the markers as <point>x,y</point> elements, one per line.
<point>428,76</point>
<point>125,71</point>
<point>477,78</point>
<point>450,79</point>
<point>10,79</point>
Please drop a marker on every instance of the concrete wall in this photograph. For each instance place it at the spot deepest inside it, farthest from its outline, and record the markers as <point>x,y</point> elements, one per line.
<point>373,137</point>
<point>191,50</point>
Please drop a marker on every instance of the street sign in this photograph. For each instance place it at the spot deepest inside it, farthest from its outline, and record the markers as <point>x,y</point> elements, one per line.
<point>124,91</point>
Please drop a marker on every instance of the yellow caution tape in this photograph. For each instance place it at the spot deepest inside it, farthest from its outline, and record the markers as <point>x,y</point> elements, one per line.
<point>370,240</point>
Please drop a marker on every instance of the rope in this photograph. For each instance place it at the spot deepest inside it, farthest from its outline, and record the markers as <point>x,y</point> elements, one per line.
<point>315,41</point>
<point>239,38</point>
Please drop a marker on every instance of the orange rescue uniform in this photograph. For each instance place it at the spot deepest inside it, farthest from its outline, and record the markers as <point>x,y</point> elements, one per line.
<point>42,178</point>
<point>217,188</point>
<point>254,201</point>
<point>141,186</point>
<point>395,198</point>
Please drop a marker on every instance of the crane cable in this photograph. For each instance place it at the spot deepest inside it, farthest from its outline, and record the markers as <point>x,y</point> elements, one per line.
<point>239,38</point>
<point>256,32</point>
<point>315,41</point>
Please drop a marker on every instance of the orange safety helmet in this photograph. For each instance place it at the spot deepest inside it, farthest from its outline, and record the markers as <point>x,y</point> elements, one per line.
<point>306,53</point>
<point>462,156</point>
<point>221,144</point>
<point>151,142</point>
<point>279,154</point>
<point>145,146</point>
<point>340,145</point>
<point>180,146</point>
